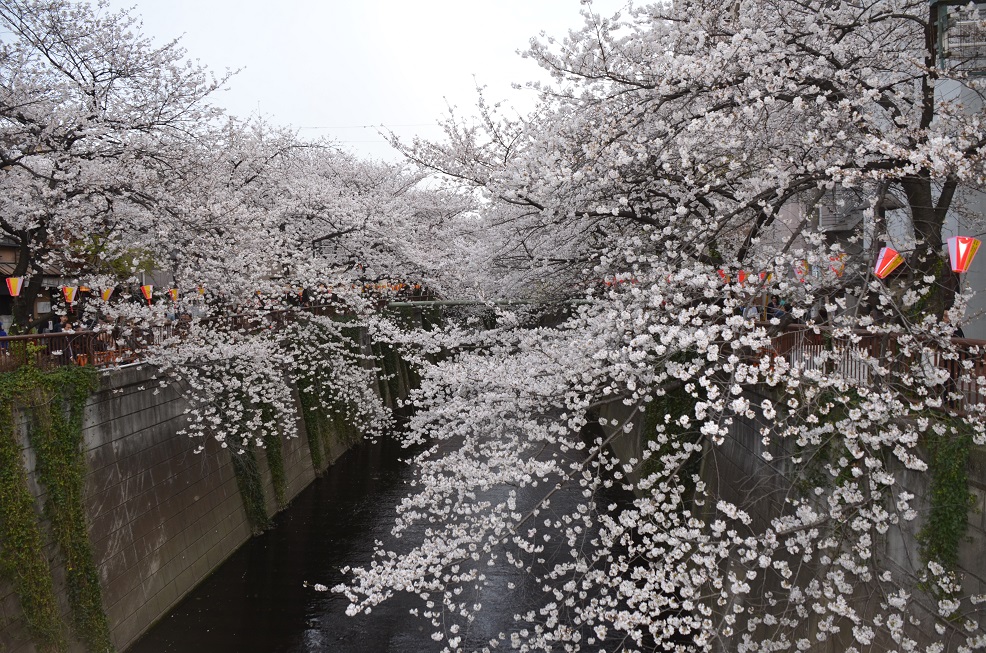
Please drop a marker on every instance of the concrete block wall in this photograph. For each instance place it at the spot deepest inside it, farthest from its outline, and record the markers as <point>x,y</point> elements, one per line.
<point>161,516</point>
<point>971,553</point>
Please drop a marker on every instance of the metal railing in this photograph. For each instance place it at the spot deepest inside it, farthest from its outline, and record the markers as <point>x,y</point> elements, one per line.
<point>858,355</point>
<point>119,345</point>
<point>102,348</point>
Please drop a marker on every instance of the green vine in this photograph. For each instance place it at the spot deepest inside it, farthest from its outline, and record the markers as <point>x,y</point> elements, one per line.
<point>56,437</point>
<point>327,421</point>
<point>251,486</point>
<point>341,426</point>
<point>22,559</point>
<point>389,375</point>
<point>948,518</point>
<point>383,385</point>
<point>275,458</point>
<point>313,427</point>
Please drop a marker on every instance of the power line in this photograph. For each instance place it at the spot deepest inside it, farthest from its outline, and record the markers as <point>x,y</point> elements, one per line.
<point>423,124</point>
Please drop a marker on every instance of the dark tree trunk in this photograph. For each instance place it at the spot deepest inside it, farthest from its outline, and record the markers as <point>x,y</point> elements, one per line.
<point>23,304</point>
<point>929,257</point>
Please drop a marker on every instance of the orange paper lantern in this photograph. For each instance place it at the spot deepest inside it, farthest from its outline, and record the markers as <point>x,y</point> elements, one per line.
<point>69,293</point>
<point>146,292</point>
<point>173,294</point>
<point>887,262</point>
<point>106,293</point>
<point>961,250</point>
<point>14,285</point>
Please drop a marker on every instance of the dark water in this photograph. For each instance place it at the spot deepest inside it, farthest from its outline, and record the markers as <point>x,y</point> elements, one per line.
<point>257,600</point>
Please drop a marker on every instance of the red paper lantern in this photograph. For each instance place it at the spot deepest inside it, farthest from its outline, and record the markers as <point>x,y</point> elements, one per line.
<point>741,276</point>
<point>961,250</point>
<point>887,262</point>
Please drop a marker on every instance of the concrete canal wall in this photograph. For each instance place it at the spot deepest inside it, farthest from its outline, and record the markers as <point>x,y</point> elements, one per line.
<point>161,516</point>
<point>755,477</point>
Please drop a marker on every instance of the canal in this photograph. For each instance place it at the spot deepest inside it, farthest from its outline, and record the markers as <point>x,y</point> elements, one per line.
<point>261,599</point>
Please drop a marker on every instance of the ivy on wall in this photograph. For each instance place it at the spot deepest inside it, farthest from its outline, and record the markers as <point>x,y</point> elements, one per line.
<point>22,559</point>
<point>54,402</point>
<point>948,517</point>
<point>251,486</point>
<point>275,462</point>
<point>326,422</point>
<point>249,480</point>
<point>314,426</point>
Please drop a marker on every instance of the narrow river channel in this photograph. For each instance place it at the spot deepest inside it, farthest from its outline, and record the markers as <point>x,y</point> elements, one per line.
<point>257,601</point>
<point>261,600</point>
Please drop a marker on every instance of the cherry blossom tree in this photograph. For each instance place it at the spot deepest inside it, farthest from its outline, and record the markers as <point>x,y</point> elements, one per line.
<point>676,172</point>
<point>96,121</point>
<point>680,152</point>
<point>117,167</point>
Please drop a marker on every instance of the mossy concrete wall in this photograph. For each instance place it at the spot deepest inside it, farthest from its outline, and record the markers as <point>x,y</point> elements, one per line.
<point>161,516</point>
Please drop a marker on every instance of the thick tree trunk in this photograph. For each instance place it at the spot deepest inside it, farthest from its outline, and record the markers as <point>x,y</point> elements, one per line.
<point>928,257</point>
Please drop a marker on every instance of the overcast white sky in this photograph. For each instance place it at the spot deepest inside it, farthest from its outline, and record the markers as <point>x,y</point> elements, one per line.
<point>336,68</point>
